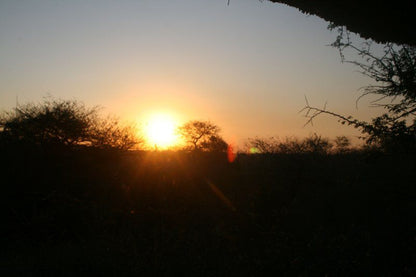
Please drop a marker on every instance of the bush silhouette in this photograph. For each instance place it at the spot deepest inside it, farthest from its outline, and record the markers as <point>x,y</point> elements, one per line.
<point>313,144</point>
<point>64,123</point>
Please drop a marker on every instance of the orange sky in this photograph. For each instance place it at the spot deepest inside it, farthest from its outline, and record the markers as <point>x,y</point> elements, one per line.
<point>246,67</point>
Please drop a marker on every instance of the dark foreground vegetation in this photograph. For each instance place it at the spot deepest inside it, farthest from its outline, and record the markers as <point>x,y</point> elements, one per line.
<point>102,212</point>
<point>78,201</point>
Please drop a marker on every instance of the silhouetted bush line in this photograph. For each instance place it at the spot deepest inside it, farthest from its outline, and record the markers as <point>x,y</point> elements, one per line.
<point>78,202</point>
<point>313,144</point>
<point>87,210</point>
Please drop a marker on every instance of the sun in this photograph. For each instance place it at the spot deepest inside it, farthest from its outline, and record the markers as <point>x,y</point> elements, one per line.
<point>161,131</point>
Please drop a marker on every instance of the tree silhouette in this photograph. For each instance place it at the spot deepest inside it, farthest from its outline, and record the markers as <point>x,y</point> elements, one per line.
<point>215,144</point>
<point>65,123</point>
<point>52,122</point>
<point>202,135</point>
<point>394,73</point>
<point>108,132</point>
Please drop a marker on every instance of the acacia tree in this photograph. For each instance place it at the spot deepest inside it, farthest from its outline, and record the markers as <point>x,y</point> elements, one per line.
<point>394,74</point>
<point>202,135</point>
<point>64,122</point>
<point>51,122</point>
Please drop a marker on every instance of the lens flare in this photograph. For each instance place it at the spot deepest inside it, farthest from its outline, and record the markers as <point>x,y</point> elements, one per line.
<point>254,150</point>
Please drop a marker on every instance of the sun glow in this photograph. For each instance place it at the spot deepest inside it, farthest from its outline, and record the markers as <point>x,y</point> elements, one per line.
<point>161,132</point>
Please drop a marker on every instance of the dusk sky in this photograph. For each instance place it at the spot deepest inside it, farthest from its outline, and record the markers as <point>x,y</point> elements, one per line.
<point>246,66</point>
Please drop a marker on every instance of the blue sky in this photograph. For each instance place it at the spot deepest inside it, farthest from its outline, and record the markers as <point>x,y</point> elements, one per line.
<point>246,66</point>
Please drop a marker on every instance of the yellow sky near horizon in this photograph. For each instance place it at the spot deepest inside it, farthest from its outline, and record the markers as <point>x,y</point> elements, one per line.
<point>246,66</point>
